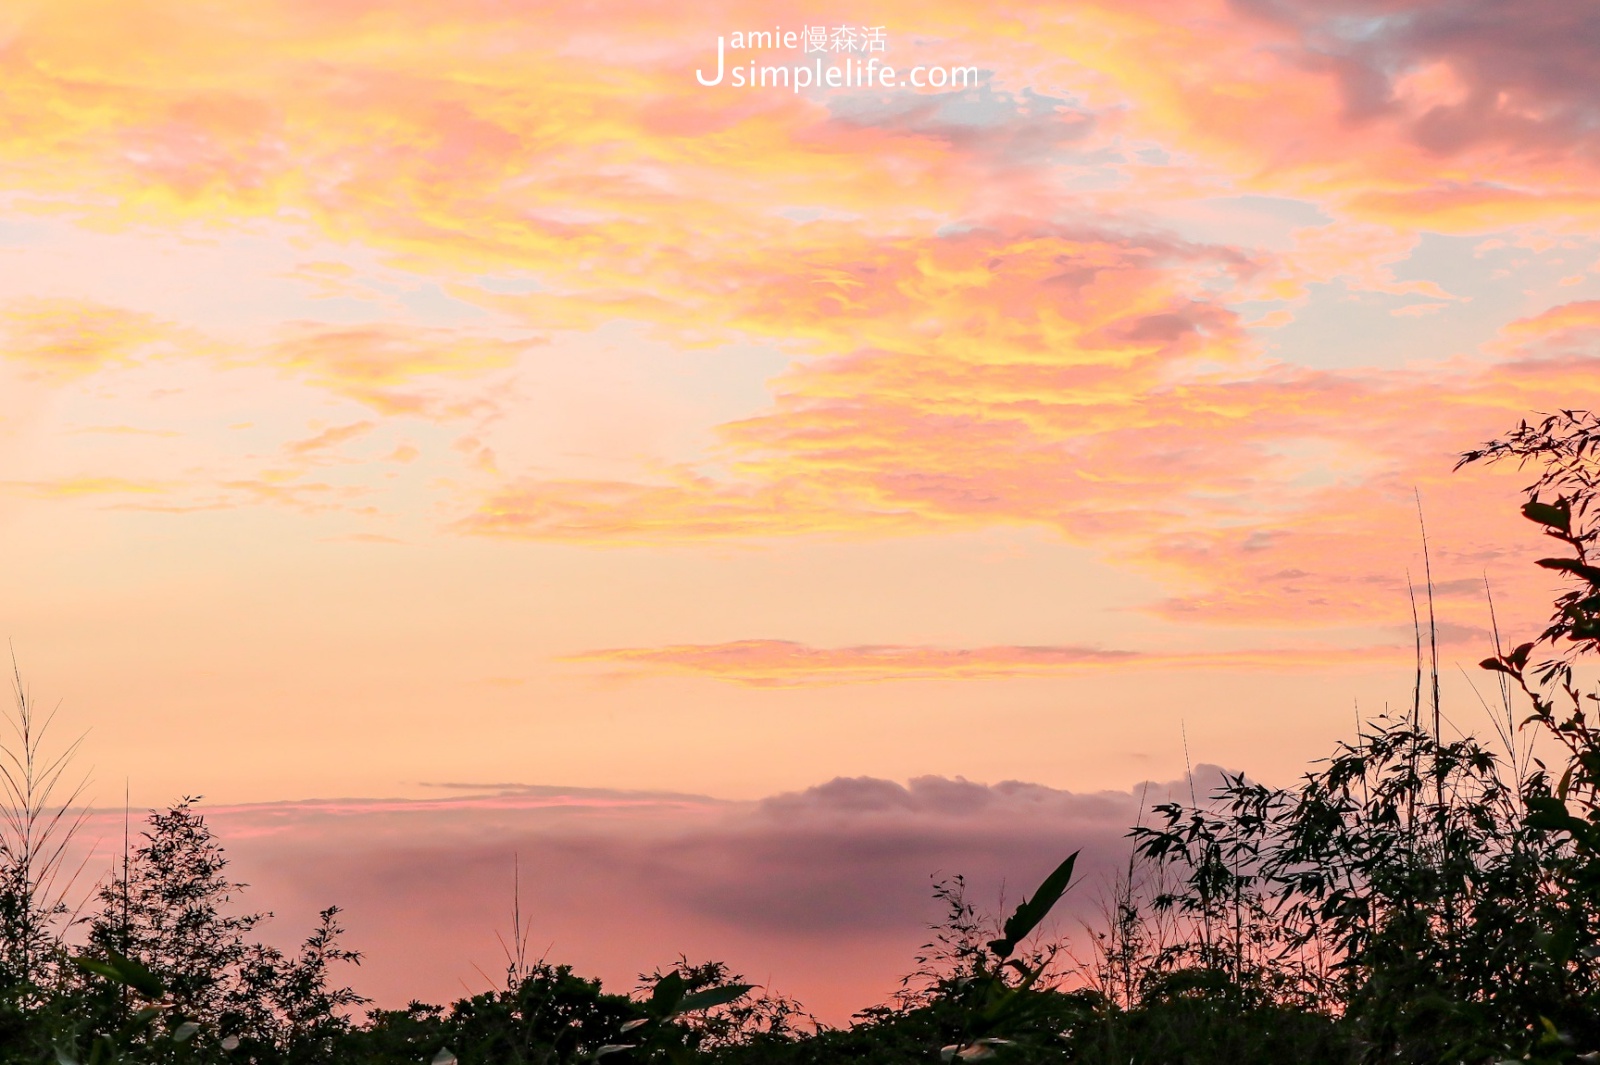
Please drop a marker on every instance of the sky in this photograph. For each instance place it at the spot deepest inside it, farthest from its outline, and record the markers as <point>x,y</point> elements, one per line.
<point>438,431</point>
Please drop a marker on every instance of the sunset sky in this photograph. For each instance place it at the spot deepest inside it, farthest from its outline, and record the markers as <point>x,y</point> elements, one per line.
<point>434,429</point>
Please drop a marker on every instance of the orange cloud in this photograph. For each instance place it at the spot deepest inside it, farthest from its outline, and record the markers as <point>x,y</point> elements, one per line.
<point>391,368</point>
<point>330,437</point>
<point>79,487</point>
<point>61,339</point>
<point>1566,322</point>
<point>126,430</point>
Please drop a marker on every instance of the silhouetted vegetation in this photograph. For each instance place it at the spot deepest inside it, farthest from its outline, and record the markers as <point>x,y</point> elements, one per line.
<point>1412,899</point>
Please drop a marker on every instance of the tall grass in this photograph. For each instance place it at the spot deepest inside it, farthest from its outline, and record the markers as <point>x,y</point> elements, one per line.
<point>40,812</point>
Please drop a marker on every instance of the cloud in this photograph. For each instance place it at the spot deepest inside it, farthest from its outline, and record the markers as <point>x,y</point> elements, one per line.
<point>1461,75</point>
<point>987,318</point>
<point>1418,310</point>
<point>970,372</point>
<point>824,891</point>
<point>392,368</point>
<point>1568,328</point>
<point>330,437</point>
<point>772,663</point>
<point>986,321</point>
<point>96,357</point>
<point>127,430</point>
<point>82,486</point>
<point>577,149</point>
<point>61,339</point>
<point>1083,385</point>
<point>987,315</point>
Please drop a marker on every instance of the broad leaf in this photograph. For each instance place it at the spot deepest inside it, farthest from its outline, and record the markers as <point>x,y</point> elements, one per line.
<point>712,996</point>
<point>1551,814</point>
<point>1032,911</point>
<point>1572,566</point>
<point>137,976</point>
<point>1556,517</point>
<point>124,971</point>
<point>667,993</point>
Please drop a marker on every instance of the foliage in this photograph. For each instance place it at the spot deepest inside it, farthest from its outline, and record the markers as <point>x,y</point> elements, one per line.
<point>171,910</point>
<point>288,1003</point>
<point>1398,887</point>
<point>995,992</point>
<point>154,1030</point>
<point>166,939</point>
<point>744,1018</point>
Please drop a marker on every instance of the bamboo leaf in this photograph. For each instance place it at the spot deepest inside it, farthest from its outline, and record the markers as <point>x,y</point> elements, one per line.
<point>1558,516</point>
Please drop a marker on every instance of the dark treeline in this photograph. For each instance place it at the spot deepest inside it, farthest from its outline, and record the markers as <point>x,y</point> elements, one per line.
<point>1412,899</point>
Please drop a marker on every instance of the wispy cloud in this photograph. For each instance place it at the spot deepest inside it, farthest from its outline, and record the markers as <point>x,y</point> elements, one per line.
<point>330,437</point>
<point>77,487</point>
<point>764,663</point>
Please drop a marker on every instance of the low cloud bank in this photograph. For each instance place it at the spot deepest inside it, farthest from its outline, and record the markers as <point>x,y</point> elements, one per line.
<point>823,893</point>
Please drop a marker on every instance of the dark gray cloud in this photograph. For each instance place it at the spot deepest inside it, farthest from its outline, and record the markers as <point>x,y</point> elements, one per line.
<point>1526,66</point>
